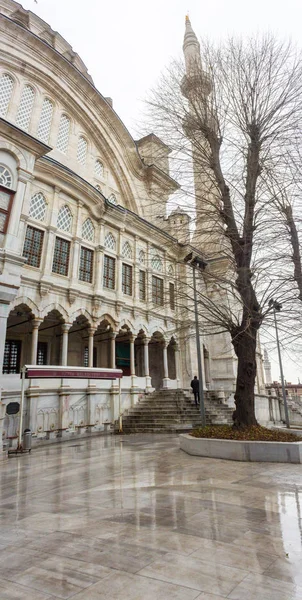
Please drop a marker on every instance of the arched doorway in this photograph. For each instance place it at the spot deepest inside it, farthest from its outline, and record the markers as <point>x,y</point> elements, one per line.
<point>50,339</point>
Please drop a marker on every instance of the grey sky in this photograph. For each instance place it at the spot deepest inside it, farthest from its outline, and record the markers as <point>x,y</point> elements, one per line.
<point>126,44</point>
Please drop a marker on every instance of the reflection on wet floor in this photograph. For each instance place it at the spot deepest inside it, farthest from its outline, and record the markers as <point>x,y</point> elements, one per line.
<point>134,517</point>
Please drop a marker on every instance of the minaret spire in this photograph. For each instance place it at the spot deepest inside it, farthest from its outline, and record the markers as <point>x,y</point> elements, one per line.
<point>191,48</point>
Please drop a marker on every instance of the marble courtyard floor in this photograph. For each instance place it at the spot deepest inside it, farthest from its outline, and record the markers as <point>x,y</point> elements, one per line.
<point>133,517</point>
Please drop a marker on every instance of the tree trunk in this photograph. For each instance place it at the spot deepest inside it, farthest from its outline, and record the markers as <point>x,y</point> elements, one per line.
<point>245,343</point>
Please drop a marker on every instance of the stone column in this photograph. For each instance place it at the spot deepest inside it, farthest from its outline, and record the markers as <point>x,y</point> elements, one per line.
<point>90,346</point>
<point>112,350</point>
<point>64,353</point>
<point>132,362</point>
<point>146,364</point>
<point>165,362</point>
<point>177,365</point>
<point>34,340</point>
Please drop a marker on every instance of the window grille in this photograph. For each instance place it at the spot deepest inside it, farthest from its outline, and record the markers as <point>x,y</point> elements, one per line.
<point>6,88</point>
<point>156,263</point>
<point>110,241</point>
<point>112,199</point>
<point>86,265</point>
<point>64,218</point>
<point>142,285</point>
<point>170,270</point>
<point>42,353</point>
<point>141,257</point>
<point>82,150</point>
<point>172,296</point>
<point>6,199</point>
<point>88,230</point>
<point>63,134</point>
<point>33,245</point>
<point>12,356</point>
<point>157,291</point>
<point>109,272</point>
<point>45,121</point>
<point>38,207</point>
<point>61,257</point>
<point>126,250</point>
<point>127,279</point>
<point>6,178</point>
<point>99,168</point>
<point>25,107</point>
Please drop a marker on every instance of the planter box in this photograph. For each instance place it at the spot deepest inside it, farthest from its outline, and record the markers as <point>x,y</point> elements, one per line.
<point>284,452</point>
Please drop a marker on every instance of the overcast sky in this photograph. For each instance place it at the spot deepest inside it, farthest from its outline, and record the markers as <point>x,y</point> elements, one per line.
<point>125,44</point>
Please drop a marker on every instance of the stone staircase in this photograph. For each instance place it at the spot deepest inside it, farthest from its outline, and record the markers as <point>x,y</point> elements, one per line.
<point>173,411</point>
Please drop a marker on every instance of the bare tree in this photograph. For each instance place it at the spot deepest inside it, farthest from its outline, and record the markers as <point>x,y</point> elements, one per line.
<point>232,118</point>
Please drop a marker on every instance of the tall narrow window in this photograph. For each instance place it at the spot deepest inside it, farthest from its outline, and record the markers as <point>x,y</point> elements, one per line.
<point>45,121</point>
<point>42,353</point>
<point>126,250</point>
<point>38,207</point>
<point>6,200</point>
<point>127,279</point>
<point>82,150</point>
<point>33,245</point>
<point>86,265</point>
<point>157,291</point>
<point>172,296</point>
<point>110,241</point>
<point>109,272</point>
<point>61,257</point>
<point>99,168</point>
<point>64,218</point>
<point>6,88</point>
<point>25,107</point>
<point>88,230</point>
<point>63,134</point>
<point>12,357</point>
<point>142,285</point>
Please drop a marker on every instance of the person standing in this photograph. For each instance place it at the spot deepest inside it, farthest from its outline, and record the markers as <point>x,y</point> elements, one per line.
<point>195,388</point>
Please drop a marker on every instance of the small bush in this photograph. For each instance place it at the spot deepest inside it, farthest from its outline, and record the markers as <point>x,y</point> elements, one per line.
<point>254,433</point>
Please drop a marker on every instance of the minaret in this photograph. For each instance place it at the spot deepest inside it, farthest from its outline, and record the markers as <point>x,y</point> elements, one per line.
<point>267,367</point>
<point>196,87</point>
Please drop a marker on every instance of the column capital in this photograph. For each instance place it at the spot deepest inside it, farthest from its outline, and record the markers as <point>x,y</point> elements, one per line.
<point>91,330</point>
<point>66,327</point>
<point>36,322</point>
<point>146,340</point>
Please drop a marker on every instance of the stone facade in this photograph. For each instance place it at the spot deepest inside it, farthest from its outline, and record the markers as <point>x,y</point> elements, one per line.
<point>90,266</point>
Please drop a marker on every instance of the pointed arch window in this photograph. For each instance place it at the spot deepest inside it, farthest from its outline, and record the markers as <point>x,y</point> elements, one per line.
<point>99,168</point>
<point>25,107</point>
<point>156,263</point>
<point>82,150</point>
<point>88,230</point>
<point>110,242</point>
<point>6,88</point>
<point>112,199</point>
<point>64,218</point>
<point>37,208</point>
<point>141,257</point>
<point>45,120</point>
<point>6,178</point>
<point>98,187</point>
<point>127,250</point>
<point>170,270</point>
<point>63,134</point>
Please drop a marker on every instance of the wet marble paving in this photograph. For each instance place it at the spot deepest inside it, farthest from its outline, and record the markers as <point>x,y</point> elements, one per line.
<point>133,517</point>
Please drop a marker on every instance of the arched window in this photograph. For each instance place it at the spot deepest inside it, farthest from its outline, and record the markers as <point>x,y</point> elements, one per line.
<point>88,230</point>
<point>25,107</point>
<point>82,150</point>
<point>170,270</point>
<point>45,120</point>
<point>6,88</point>
<point>98,187</point>
<point>63,134</point>
<point>6,178</point>
<point>64,218</point>
<point>126,250</point>
<point>112,199</point>
<point>99,168</point>
<point>110,241</point>
<point>156,263</point>
<point>38,206</point>
<point>141,257</point>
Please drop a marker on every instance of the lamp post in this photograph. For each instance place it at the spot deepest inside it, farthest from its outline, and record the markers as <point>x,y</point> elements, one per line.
<point>277,308</point>
<point>197,263</point>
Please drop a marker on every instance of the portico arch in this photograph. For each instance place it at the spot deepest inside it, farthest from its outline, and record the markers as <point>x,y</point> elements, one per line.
<point>18,342</point>
<point>156,345</point>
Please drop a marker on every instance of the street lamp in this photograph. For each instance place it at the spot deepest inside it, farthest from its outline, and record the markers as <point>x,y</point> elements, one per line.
<point>197,263</point>
<point>276,306</point>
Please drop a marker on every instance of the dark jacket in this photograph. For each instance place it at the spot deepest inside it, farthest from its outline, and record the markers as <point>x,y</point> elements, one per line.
<point>195,385</point>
